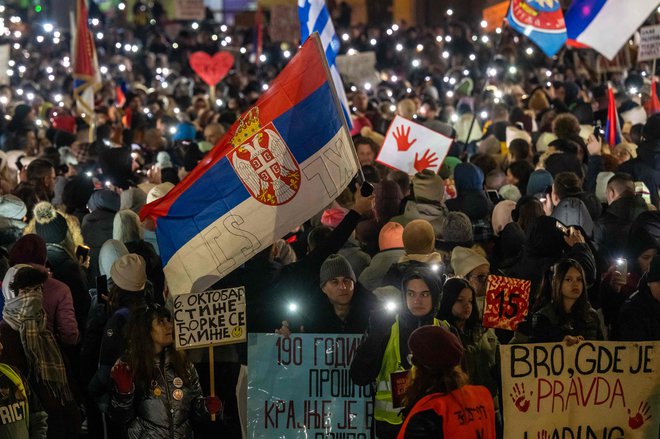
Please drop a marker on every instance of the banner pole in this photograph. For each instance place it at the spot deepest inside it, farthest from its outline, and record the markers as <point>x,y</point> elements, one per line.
<point>653,69</point>
<point>212,96</point>
<point>212,376</point>
<point>328,74</point>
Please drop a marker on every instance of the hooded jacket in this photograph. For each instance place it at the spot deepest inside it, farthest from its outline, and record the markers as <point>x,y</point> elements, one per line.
<point>612,228</point>
<point>151,416</point>
<point>97,226</point>
<point>646,167</point>
<point>572,212</point>
<point>471,198</point>
<point>638,319</point>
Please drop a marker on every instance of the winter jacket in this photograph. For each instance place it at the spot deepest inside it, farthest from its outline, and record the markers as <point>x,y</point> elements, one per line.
<point>13,423</point>
<point>372,276</point>
<point>358,259</point>
<point>96,228</point>
<point>646,167</point>
<point>475,204</point>
<point>433,213</point>
<point>548,325</point>
<point>10,231</point>
<point>325,320</point>
<point>572,211</point>
<point>612,228</point>
<point>155,412</point>
<point>67,270</point>
<point>639,319</point>
<point>58,306</point>
<point>63,418</point>
<point>154,266</point>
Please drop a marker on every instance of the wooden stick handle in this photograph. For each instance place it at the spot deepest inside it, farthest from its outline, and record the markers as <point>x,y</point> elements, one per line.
<point>212,375</point>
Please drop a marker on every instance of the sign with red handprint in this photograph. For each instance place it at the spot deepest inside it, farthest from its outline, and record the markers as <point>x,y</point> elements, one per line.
<point>591,389</point>
<point>507,302</point>
<point>412,147</point>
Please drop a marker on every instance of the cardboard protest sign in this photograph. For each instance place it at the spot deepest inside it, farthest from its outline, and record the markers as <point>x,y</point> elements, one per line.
<point>507,302</point>
<point>300,387</point>
<point>590,390</point>
<point>358,68</point>
<point>411,147</point>
<point>189,10</point>
<point>212,69</point>
<point>649,43</point>
<point>210,318</point>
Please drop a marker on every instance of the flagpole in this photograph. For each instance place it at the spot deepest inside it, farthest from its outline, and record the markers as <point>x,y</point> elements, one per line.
<point>335,97</point>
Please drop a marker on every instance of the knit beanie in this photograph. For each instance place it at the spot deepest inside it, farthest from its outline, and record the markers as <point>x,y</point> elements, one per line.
<point>538,181</point>
<point>104,199</point>
<point>49,223</point>
<point>457,228</point>
<point>419,237</point>
<point>335,266</point>
<point>510,192</point>
<point>133,199</point>
<point>468,177</point>
<point>12,207</point>
<point>390,236</point>
<point>435,347</point>
<point>129,272</point>
<point>159,191</point>
<point>428,187</point>
<point>464,260</point>
<point>29,249</point>
<point>502,215</point>
<point>111,250</point>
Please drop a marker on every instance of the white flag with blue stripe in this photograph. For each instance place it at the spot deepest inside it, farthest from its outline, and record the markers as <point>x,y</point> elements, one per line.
<point>315,17</point>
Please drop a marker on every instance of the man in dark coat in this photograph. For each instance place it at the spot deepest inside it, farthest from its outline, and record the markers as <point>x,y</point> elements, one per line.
<point>639,319</point>
<point>646,167</point>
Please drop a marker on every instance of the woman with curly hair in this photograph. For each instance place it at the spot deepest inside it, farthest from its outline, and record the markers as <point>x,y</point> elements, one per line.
<point>438,392</point>
<point>569,316</point>
<point>156,390</point>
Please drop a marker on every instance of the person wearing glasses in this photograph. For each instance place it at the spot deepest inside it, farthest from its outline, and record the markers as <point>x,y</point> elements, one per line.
<point>156,391</point>
<point>385,350</point>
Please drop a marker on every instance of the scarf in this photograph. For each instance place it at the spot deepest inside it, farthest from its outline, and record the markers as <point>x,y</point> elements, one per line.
<point>24,313</point>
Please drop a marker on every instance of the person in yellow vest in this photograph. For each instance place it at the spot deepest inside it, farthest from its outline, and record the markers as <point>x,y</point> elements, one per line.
<point>440,403</point>
<point>385,350</point>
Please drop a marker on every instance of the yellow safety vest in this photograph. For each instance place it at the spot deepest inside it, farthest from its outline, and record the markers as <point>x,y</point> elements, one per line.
<point>383,410</point>
<point>18,382</point>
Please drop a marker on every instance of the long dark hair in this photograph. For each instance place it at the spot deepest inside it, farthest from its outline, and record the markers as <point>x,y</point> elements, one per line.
<point>423,381</point>
<point>140,351</point>
<point>560,269</point>
<point>450,292</point>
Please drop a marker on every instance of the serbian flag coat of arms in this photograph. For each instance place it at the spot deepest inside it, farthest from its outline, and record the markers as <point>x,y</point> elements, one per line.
<point>282,162</point>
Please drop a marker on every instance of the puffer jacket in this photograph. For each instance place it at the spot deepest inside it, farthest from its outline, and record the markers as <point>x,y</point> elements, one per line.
<point>152,416</point>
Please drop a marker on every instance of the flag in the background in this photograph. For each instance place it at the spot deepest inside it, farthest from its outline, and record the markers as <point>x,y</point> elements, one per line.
<point>542,21</point>
<point>653,104</point>
<point>606,25</point>
<point>282,162</point>
<point>612,127</point>
<point>315,17</point>
<point>86,75</point>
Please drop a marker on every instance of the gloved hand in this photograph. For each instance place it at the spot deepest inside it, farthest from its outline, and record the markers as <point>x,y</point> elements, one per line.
<point>122,375</point>
<point>213,404</point>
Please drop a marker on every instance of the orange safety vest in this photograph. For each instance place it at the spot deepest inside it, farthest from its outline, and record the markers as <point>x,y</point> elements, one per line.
<point>466,413</point>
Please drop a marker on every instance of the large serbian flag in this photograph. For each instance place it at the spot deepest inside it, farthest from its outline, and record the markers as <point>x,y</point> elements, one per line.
<point>86,75</point>
<point>282,162</point>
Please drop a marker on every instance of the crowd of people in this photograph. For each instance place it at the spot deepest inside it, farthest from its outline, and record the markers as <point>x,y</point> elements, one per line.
<point>530,189</point>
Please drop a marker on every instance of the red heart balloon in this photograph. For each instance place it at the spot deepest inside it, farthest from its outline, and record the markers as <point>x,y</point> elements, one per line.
<point>211,69</point>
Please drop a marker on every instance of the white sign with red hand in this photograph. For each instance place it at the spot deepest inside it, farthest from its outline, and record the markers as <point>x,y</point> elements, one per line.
<point>411,147</point>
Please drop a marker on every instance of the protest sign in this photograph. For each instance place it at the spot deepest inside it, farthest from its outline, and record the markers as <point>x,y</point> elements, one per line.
<point>210,318</point>
<point>358,68</point>
<point>300,387</point>
<point>507,302</point>
<point>603,390</point>
<point>411,147</point>
<point>4,63</point>
<point>189,10</point>
<point>649,43</point>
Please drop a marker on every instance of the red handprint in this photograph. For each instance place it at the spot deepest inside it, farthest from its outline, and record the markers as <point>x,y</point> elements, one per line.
<point>519,398</point>
<point>427,161</point>
<point>401,137</point>
<point>640,417</point>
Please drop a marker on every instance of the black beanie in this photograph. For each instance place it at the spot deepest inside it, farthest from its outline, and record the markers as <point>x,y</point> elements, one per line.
<point>50,225</point>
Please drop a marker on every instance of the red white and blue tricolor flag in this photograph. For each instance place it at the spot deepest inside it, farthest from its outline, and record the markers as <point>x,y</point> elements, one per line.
<point>282,162</point>
<point>606,25</point>
<point>86,75</point>
<point>613,126</point>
